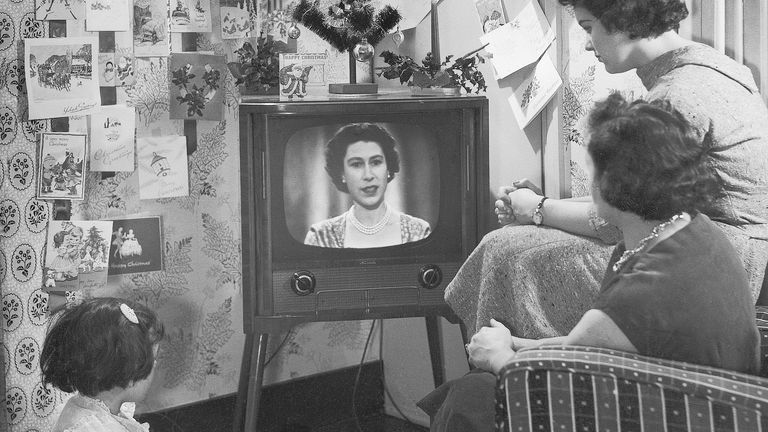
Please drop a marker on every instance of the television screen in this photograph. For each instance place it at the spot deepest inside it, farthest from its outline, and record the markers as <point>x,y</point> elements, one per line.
<point>361,185</point>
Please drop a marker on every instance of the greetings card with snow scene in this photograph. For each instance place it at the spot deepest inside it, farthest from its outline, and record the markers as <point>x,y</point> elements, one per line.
<point>197,86</point>
<point>112,138</point>
<point>163,171</point>
<point>150,28</point>
<point>191,16</point>
<point>62,76</point>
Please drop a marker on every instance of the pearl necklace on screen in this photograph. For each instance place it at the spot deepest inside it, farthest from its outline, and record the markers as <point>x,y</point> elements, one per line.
<point>369,229</point>
<point>655,232</point>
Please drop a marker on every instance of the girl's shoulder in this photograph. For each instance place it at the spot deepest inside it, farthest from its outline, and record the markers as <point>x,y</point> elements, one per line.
<point>83,414</point>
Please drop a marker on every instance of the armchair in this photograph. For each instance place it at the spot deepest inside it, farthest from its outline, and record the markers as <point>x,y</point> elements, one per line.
<point>574,389</point>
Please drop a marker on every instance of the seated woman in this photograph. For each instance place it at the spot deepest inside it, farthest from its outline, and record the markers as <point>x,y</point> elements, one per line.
<point>361,160</point>
<point>541,278</point>
<point>674,288</point>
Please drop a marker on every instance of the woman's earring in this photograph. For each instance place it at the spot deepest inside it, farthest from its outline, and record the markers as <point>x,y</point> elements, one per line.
<point>343,180</point>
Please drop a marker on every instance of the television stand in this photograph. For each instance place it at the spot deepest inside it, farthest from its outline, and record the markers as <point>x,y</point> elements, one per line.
<point>255,353</point>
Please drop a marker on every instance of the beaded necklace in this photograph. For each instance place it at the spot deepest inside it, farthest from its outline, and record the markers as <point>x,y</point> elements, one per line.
<point>369,229</point>
<point>655,232</point>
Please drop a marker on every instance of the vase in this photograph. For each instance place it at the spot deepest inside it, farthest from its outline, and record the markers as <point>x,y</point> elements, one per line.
<point>435,91</point>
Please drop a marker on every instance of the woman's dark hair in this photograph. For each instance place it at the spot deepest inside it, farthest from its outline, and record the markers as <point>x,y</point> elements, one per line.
<point>93,347</point>
<point>637,18</point>
<point>647,159</point>
<point>336,149</point>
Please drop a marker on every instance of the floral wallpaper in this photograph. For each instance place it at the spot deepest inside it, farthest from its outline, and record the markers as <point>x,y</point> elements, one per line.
<point>198,295</point>
<point>585,81</point>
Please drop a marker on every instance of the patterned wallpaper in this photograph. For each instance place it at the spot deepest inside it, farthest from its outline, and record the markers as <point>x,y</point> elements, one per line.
<point>198,295</point>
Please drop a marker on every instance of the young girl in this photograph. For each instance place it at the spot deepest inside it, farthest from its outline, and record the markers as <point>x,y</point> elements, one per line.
<point>104,349</point>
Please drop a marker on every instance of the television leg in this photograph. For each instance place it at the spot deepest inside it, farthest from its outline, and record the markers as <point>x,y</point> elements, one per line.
<point>435,349</point>
<point>251,378</point>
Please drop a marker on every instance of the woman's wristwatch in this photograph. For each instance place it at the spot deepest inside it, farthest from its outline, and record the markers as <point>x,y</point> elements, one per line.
<point>538,215</point>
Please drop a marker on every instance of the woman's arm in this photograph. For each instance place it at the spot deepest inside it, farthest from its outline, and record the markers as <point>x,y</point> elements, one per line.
<point>576,216</point>
<point>595,329</point>
<point>493,347</point>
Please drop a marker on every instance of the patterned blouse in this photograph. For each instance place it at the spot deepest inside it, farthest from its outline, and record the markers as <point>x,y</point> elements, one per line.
<point>85,414</point>
<point>330,232</point>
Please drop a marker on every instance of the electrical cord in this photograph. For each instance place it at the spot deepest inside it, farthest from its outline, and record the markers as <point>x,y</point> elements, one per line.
<point>279,347</point>
<point>357,377</point>
<point>386,389</point>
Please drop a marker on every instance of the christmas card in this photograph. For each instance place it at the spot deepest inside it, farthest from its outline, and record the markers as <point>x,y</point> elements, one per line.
<point>163,171</point>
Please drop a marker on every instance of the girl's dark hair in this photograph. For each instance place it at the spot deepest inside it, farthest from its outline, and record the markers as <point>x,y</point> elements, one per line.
<point>336,149</point>
<point>647,159</point>
<point>92,347</point>
<point>637,18</point>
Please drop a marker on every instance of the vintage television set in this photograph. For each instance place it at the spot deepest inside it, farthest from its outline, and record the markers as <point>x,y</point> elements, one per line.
<point>442,147</point>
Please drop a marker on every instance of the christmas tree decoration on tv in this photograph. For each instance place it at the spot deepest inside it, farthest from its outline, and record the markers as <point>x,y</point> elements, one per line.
<point>398,37</point>
<point>363,51</point>
<point>293,31</point>
<point>351,26</point>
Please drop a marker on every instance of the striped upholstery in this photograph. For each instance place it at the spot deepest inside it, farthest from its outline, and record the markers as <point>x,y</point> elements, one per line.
<point>575,389</point>
<point>762,325</point>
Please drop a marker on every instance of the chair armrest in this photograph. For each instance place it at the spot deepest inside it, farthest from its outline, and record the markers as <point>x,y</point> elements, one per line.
<point>761,319</point>
<point>573,388</point>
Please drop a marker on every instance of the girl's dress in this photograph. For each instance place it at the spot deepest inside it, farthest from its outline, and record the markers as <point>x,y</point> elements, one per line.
<point>84,414</point>
<point>130,246</point>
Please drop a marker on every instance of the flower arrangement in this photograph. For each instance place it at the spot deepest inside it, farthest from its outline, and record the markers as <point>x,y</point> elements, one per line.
<point>195,97</point>
<point>461,73</point>
<point>258,69</point>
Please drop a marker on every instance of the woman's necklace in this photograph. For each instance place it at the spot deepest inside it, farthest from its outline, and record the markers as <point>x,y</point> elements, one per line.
<point>369,229</point>
<point>655,232</point>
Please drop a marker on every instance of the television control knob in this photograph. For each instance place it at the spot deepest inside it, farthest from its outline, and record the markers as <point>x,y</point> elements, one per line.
<point>430,276</point>
<point>303,282</point>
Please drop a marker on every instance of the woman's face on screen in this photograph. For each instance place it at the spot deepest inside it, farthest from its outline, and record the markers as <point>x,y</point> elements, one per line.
<point>365,173</point>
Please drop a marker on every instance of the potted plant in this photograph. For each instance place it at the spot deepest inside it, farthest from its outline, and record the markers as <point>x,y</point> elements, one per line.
<point>433,77</point>
<point>257,69</point>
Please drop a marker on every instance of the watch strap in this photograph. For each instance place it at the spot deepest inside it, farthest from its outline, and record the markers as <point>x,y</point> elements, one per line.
<point>538,215</point>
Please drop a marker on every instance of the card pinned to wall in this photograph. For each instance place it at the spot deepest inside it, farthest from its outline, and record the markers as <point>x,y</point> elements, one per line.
<point>107,68</point>
<point>59,10</point>
<point>106,15</point>
<point>150,28</point>
<point>61,167</point>
<point>520,42</point>
<point>112,138</point>
<point>163,171</point>
<point>136,245</point>
<point>62,76</point>
<point>235,22</point>
<point>191,16</point>
<point>302,74</point>
<point>197,86</point>
<point>491,14</point>
<point>124,70</point>
<point>533,87</point>
<point>76,255</point>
